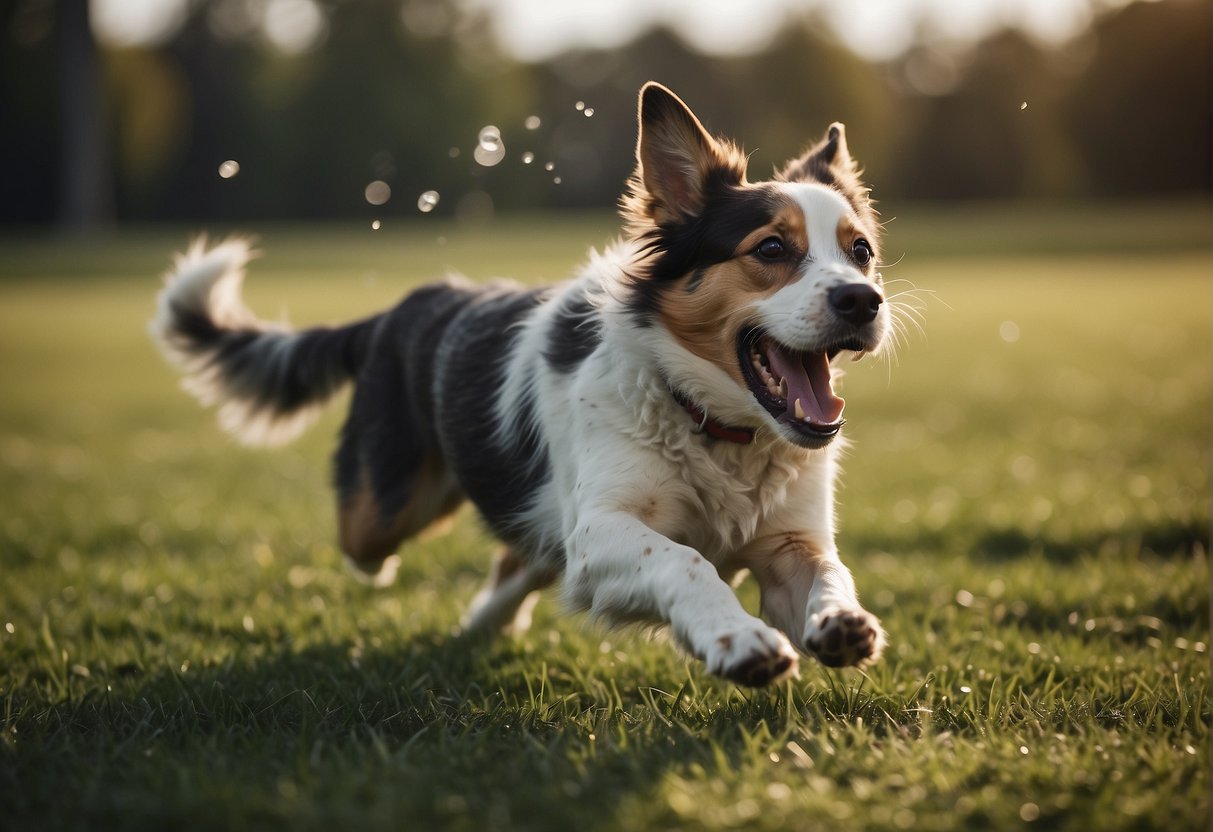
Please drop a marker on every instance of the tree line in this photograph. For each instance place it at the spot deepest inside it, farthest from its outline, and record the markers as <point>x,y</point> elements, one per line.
<point>1122,111</point>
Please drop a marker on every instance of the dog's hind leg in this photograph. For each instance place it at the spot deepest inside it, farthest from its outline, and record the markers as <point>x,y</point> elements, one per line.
<point>371,532</point>
<point>508,597</point>
<point>392,481</point>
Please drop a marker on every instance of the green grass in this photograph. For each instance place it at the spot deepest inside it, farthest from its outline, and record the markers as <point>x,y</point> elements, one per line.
<point>1026,506</point>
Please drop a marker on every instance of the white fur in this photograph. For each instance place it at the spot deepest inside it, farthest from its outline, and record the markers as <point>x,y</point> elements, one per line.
<point>649,521</point>
<point>207,282</point>
<point>795,314</point>
<point>652,522</point>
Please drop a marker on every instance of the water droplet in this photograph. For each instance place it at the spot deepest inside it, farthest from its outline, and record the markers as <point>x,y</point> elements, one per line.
<point>9,628</point>
<point>556,180</point>
<point>378,192</point>
<point>427,202</point>
<point>549,167</point>
<point>532,123</point>
<point>579,106</point>
<point>528,157</point>
<point>1023,105</point>
<point>374,225</point>
<point>229,169</point>
<point>490,137</point>
<point>589,112</point>
<point>491,149</point>
<point>487,158</point>
<point>453,153</point>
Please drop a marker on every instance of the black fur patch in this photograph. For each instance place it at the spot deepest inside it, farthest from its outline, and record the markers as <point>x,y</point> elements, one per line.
<point>275,371</point>
<point>818,164</point>
<point>730,215</point>
<point>501,477</point>
<point>390,430</point>
<point>573,334</point>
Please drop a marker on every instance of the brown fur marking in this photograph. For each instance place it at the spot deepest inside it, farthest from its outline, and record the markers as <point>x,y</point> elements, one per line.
<point>367,536</point>
<point>708,320</point>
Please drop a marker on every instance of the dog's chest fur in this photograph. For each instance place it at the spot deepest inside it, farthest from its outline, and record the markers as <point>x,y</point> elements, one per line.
<point>729,489</point>
<point>599,424</point>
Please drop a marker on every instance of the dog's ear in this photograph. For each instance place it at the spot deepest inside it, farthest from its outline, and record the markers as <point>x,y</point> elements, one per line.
<point>677,162</point>
<point>824,162</point>
<point>829,162</point>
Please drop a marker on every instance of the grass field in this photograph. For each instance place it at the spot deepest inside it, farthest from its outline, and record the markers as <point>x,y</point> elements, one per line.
<point>1026,506</point>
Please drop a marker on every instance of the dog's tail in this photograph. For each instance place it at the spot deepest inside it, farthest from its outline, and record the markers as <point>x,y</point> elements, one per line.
<point>268,381</point>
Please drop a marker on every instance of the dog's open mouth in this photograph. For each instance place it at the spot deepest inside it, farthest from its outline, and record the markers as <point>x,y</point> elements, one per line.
<point>794,385</point>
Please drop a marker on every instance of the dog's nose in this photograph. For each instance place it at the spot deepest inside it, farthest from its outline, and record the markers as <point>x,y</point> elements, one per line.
<point>855,303</point>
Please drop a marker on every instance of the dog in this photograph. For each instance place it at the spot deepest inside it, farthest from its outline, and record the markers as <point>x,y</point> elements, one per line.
<point>650,431</point>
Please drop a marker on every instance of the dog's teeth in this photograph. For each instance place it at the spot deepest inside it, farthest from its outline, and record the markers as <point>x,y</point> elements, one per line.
<point>798,410</point>
<point>783,388</point>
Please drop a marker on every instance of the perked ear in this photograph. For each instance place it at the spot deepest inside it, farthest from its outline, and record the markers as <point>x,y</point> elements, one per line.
<point>826,162</point>
<point>677,161</point>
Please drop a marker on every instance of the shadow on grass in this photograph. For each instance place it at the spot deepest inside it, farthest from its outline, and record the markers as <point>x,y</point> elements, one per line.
<point>1168,540</point>
<point>435,733</point>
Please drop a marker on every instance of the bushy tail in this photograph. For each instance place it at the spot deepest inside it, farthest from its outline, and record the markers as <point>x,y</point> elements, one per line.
<point>268,381</point>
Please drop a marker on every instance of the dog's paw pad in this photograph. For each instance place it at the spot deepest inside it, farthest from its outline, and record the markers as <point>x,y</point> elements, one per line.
<point>753,658</point>
<point>845,638</point>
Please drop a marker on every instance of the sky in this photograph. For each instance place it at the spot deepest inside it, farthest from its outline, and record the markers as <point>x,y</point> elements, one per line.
<point>876,29</point>
<point>539,29</point>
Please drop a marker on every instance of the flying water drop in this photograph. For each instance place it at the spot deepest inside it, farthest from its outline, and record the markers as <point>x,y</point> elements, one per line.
<point>491,149</point>
<point>229,169</point>
<point>378,192</point>
<point>427,202</point>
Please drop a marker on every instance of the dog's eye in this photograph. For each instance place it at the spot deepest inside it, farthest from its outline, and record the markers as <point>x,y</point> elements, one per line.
<point>770,249</point>
<point>862,252</point>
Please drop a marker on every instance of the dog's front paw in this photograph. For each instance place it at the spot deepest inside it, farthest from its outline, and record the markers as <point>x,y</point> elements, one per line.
<point>753,657</point>
<point>844,637</point>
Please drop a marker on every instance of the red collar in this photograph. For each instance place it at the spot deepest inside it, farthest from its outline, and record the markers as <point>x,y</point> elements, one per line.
<point>712,427</point>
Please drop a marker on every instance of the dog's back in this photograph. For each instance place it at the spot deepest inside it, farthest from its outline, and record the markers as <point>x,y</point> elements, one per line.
<point>421,431</point>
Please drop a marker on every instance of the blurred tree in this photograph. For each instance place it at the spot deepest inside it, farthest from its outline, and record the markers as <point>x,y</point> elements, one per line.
<point>398,90</point>
<point>979,140</point>
<point>784,97</point>
<point>86,183</point>
<point>29,113</point>
<point>1142,113</point>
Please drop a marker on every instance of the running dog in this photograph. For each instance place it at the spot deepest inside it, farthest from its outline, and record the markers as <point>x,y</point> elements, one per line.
<point>649,431</point>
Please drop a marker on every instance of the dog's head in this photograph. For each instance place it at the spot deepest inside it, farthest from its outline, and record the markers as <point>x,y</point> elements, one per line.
<point>761,284</point>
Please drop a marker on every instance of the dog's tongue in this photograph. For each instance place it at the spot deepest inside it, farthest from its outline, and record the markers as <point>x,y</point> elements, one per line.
<point>808,378</point>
